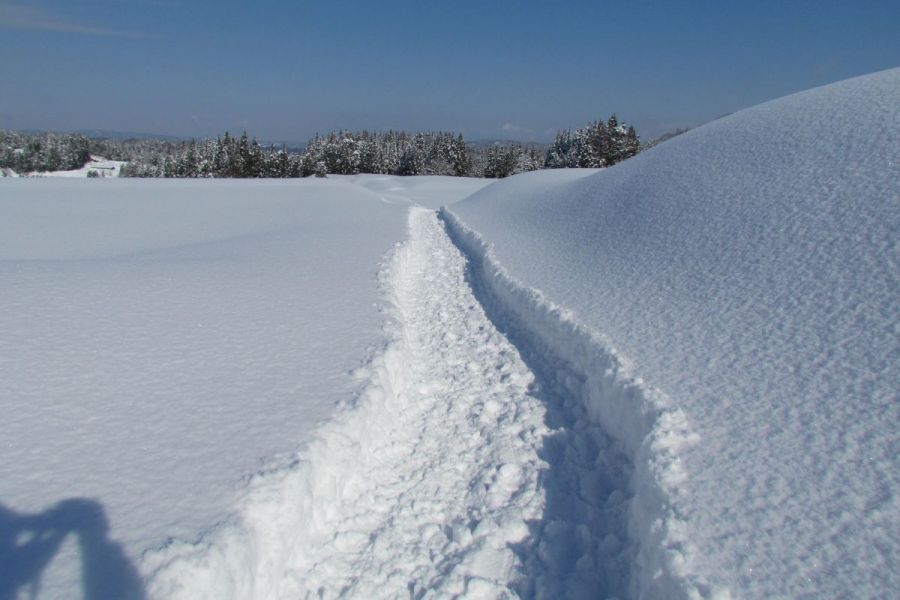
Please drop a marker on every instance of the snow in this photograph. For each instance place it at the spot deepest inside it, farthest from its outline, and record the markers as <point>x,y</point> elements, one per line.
<point>99,165</point>
<point>160,340</point>
<point>432,191</point>
<point>438,459</point>
<point>724,306</point>
<point>456,473</point>
<point>673,378</point>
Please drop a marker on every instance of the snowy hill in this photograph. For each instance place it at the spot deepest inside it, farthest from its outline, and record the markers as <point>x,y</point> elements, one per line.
<point>725,306</point>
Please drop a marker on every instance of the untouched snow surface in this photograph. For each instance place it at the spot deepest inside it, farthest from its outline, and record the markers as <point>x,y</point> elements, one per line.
<point>432,191</point>
<point>725,306</point>
<point>161,339</point>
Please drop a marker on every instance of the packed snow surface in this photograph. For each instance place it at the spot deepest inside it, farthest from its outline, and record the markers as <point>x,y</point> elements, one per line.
<point>726,307</point>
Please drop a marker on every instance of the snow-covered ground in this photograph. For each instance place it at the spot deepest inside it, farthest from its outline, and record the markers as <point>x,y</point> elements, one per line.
<point>726,307</point>
<point>160,340</point>
<point>674,378</point>
<point>432,191</point>
<point>96,167</point>
<point>457,473</point>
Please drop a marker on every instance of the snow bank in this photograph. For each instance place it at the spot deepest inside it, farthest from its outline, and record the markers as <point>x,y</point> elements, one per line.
<point>748,271</point>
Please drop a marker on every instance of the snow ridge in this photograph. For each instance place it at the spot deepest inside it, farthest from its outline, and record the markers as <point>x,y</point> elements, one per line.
<point>645,427</point>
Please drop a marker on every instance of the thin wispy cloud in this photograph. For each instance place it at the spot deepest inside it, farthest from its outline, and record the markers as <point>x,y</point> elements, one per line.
<point>17,16</point>
<point>511,127</point>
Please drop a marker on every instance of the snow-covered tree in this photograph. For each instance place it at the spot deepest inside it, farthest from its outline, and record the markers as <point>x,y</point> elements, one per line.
<point>596,145</point>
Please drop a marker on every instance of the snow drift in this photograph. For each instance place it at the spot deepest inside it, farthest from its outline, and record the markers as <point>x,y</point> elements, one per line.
<point>748,270</point>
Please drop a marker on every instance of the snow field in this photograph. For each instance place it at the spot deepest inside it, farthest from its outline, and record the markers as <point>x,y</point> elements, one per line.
<point>431,191</point>
<point>161,340</point>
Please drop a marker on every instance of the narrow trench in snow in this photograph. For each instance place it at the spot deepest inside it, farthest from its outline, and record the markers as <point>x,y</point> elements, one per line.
<point>579,548</point>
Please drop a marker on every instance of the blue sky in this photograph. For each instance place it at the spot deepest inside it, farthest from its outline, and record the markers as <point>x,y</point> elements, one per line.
<point>503,69</point>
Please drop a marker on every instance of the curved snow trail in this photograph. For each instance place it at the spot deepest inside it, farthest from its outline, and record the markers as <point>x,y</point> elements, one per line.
<point>434,484</point>
<point>455,477</point>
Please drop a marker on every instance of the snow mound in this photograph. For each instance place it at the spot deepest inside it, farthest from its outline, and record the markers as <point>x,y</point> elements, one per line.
<point>748,270</point>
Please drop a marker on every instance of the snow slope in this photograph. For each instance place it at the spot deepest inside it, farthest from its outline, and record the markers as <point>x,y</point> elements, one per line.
<point>725,306</point>
<point>160,340</point>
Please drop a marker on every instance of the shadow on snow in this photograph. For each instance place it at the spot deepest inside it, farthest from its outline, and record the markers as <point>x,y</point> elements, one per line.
<point>29,542</point>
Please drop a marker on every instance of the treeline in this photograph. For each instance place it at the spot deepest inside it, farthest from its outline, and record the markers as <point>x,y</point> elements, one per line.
<point>25,153</point>
<point>600,144</point>
<point>392,152</point>
<point>338,153</point>
<point>225,156</point>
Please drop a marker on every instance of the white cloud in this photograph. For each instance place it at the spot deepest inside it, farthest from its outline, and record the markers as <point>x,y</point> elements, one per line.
<point>16,16</point>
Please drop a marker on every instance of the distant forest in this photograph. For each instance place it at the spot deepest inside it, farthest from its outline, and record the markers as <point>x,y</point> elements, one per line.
<point>599,144</point>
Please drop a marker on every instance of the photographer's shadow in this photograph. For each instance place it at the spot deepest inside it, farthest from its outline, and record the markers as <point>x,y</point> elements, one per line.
<point>28,543</point>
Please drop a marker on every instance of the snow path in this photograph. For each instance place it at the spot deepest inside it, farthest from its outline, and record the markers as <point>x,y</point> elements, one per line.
<point>444,479</point>
<point>456,477</point>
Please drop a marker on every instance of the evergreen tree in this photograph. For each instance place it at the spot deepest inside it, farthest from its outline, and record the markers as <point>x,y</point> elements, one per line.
<point>189,167</point>
<point>597,145</point>
<point>411,161</point>
<point>243,165</point>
